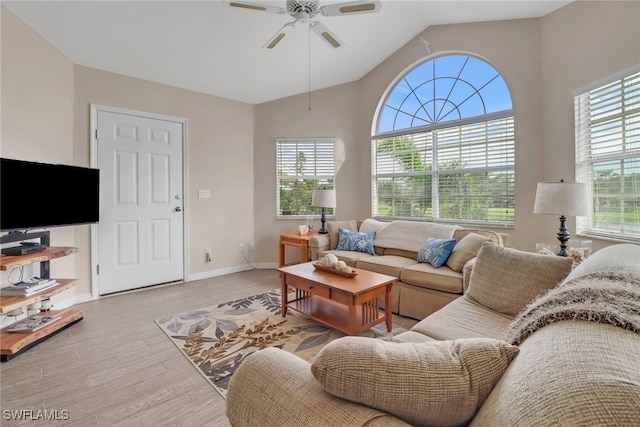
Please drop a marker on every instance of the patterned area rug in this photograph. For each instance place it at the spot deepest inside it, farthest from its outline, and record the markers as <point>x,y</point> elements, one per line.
<point>217,339</point>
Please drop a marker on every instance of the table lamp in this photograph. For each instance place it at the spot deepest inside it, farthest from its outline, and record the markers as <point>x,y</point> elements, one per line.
<point>323,199</point>
<point>562,198</point>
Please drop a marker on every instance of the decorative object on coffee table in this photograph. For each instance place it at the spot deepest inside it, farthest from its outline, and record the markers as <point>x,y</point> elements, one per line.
<point>562,198</point>
<point>323,199</point>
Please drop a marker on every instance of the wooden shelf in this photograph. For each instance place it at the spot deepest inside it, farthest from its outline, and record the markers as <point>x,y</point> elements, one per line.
<point>7,262</point>
<point>13,343</point>
<point>11,303</point>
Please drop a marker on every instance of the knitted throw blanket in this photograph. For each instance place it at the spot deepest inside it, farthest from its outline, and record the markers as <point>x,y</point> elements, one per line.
<point>605,297</point>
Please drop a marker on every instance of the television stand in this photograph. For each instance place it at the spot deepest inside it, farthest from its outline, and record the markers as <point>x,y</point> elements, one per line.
<point>15,343</point>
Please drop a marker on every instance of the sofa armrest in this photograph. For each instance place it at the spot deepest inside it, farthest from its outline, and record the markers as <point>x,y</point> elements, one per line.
<point>466,274</point>
<point>318,244</point>
<point>276,387</point>
<point>506,239</point>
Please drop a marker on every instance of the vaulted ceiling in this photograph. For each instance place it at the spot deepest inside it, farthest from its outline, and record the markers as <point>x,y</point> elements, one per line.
<point>209,47</point>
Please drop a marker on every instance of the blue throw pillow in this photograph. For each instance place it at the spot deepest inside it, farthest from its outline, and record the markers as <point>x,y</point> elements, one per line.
<point>436,251</point>
<point>356,241</point>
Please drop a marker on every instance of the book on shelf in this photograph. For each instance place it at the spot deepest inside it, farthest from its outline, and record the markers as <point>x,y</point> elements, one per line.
<point>33,323</point>
<point>27,288</point>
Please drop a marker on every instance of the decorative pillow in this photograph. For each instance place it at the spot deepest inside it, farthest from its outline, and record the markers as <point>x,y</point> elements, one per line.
<point>439,383</point>
<point>333,226</point>
<point>436,251</point>
<point>356,241</point>
<point>506,280</point>
<point>464,250</point>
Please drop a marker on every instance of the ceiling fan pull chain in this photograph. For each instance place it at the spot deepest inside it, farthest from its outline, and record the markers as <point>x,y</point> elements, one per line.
<point>309,59</point>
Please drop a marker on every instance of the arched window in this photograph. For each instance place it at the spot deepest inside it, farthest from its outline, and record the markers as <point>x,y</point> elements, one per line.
<point>444,145</point>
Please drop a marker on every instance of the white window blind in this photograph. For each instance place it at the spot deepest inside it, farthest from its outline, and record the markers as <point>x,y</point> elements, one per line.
<point>608,156</point>
<point>456,173</point>
<point>303,164</point>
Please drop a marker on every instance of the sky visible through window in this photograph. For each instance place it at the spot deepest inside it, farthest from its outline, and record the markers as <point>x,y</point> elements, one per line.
<point>444,89</point>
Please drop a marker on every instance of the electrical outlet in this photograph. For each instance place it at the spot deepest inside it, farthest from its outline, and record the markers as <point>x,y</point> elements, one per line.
<point>252,246</point>
<point>207,254</point>
<point>240,247</point>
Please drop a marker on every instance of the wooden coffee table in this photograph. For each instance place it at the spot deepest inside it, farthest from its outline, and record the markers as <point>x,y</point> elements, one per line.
<point>347,304</point>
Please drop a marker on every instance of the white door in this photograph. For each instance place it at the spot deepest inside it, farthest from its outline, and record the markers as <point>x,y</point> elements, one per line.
<point>140,233</point>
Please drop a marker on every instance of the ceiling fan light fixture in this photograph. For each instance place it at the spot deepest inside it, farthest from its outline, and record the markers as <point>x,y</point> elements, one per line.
<point>305,10</point>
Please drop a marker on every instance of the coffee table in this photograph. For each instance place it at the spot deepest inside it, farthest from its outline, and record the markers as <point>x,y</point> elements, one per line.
<point>348,304</point>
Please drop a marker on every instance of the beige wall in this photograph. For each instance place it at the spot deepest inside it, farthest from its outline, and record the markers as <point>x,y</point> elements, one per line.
<point>219,149</point>
<point>46,117</point>
<point>542,61</point>
<point>582,43</point>
<point>36,121</point>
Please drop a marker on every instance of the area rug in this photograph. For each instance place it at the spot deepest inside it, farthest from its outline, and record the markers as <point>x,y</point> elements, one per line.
<point>217,339</point>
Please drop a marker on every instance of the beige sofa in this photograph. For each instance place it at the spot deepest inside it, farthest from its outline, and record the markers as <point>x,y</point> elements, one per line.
<point>570,357</point>
<point>421,288</point>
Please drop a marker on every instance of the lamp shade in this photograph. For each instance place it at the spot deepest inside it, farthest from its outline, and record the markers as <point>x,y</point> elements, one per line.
<point>562,198</point>
<point>324,198</point>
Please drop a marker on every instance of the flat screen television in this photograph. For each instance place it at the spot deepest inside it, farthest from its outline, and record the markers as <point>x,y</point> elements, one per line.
<point>41,195</point>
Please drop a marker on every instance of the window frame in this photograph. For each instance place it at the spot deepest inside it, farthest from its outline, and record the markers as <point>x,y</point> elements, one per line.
<point>326,165</point>
<point>507,167</point>
<point>586,161</point>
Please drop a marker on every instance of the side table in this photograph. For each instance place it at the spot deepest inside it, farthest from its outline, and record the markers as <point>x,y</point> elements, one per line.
<point>297,240</point>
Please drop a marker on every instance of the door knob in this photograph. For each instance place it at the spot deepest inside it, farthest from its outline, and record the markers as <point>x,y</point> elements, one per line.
<point>178,209</point>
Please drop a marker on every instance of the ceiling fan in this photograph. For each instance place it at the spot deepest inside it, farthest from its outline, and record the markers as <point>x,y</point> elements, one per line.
<point>304,11</point>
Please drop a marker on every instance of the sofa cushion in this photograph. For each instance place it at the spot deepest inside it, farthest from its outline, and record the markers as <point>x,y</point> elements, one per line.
<point>464,318</point>
<point>620,258</point>
<point>495,237</point>
<point>506,280</point>
<point>388,264</point>
<point>465,249</point>
<point>436,251</point>
<point>427,276</point>
<point>349,257</point>
<point>432,383</point>
<point>350,240</point>
<point>398,252</point>
<point>333,227</point>
<point>410,235</point>
<point>571,373</point>
<point>369,225</point>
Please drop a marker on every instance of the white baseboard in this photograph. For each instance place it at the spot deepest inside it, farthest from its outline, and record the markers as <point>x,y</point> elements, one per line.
<point>230,270</point>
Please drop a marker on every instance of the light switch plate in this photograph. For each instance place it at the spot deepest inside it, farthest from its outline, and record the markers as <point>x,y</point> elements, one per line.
<point>204,194</point>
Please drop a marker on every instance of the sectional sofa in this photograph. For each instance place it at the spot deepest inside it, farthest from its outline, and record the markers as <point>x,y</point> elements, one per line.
<point>497,356</point>
<point>422,288</point>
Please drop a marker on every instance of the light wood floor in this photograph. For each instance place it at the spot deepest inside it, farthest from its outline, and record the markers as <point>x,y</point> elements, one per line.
<point>117,368</point>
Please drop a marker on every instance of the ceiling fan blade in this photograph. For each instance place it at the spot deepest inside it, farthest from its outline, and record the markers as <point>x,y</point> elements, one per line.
<point>327,36</point>
<point>255,6</point>
<point>351,8</point>
<point>277,37</point>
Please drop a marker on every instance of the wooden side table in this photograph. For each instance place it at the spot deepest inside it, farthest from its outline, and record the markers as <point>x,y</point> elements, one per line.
<point>297,240</point>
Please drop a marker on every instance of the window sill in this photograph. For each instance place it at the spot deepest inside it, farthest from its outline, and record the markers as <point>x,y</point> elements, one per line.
<point>608,238</point>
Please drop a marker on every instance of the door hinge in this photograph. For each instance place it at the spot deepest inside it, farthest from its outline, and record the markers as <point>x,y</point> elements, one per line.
<point>96,134</point>
<point>98,269</point>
